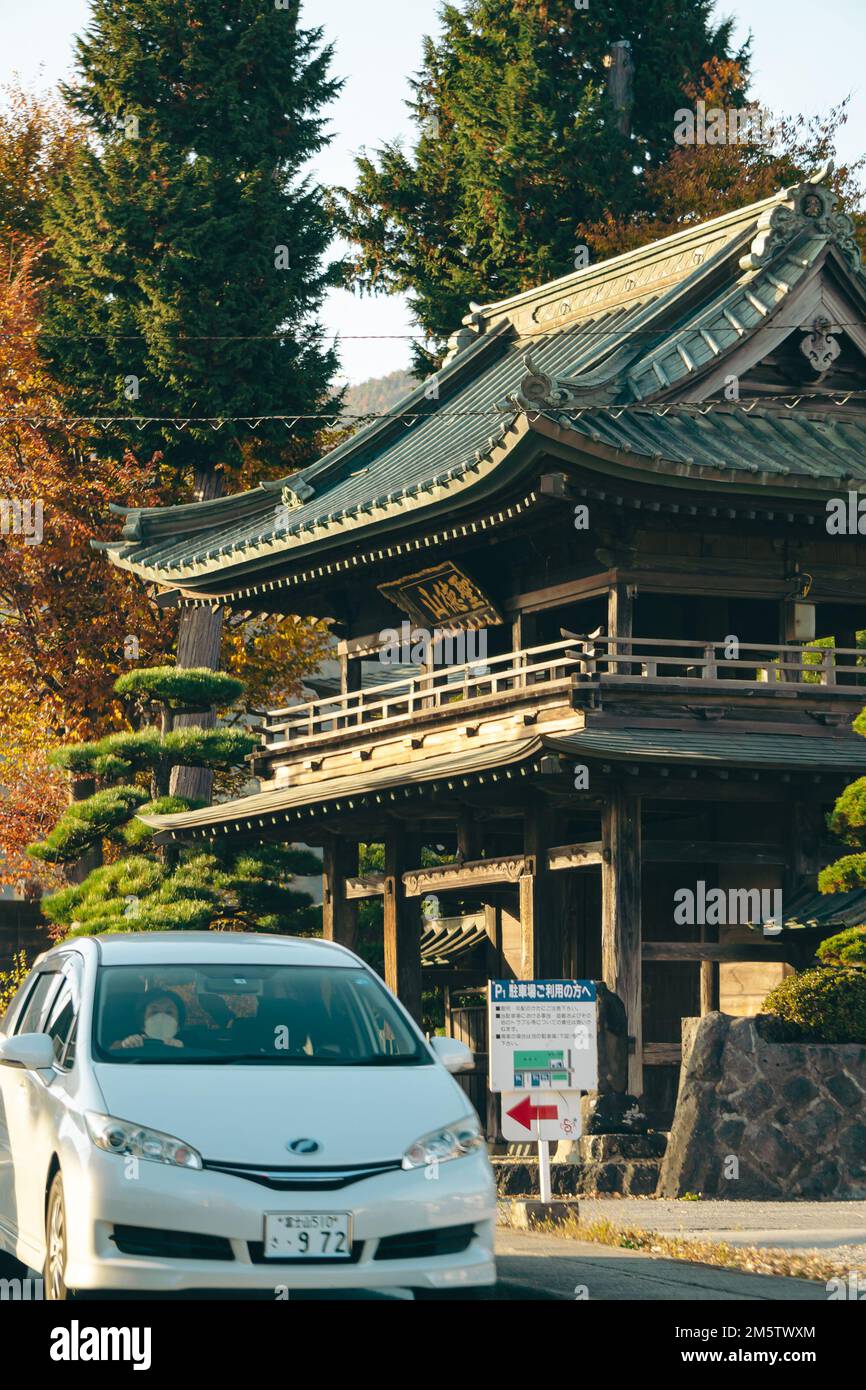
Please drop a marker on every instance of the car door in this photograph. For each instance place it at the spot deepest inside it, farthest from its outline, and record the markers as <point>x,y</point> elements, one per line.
<point>17,1095</point>
<point>48,1098</point>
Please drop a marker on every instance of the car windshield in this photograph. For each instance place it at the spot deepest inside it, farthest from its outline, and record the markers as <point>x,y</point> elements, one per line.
<point>281,1015</point>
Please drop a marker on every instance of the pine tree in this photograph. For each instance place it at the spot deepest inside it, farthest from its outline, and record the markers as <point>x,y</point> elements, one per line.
<point>136,885</point>
<point>519,147</point>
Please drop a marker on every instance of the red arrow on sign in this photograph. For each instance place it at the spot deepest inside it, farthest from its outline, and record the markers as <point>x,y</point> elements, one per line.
<point>525,1112</point>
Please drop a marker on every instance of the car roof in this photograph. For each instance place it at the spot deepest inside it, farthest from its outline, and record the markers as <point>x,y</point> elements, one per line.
<point>202,947</point>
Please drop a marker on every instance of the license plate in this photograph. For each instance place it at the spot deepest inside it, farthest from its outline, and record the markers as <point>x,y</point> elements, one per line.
<point>320,1235</point>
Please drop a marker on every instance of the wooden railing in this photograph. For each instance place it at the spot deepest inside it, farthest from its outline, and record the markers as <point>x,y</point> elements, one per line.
<point>665,658</point>
<point>576,658</point>
<point>424,692</point>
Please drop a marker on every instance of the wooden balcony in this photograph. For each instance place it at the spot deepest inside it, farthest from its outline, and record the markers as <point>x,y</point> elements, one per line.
<point>567,673</point>
<point>523,676</point>
<point>666,659</point>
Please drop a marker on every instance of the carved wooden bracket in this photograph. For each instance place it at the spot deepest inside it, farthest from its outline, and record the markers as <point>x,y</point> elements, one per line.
<point>472,874</point>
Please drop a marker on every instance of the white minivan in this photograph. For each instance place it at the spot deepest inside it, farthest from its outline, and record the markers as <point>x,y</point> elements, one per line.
<point>193,1110</point>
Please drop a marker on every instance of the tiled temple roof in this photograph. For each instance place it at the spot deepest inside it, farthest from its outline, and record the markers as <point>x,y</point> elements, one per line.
<point>601,354</point>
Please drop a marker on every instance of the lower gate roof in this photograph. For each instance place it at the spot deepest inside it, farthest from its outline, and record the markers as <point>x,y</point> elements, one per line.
<point>276,806</point>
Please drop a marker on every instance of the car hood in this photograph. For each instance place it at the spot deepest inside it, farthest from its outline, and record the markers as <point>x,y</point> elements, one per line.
<point>248,1114</point>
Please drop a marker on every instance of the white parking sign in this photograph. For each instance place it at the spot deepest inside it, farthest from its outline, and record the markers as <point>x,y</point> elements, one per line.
<point>542,1035</point>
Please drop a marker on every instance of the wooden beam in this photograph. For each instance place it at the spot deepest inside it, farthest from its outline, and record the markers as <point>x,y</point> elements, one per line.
<point>365,886</point>
<point>710,852</point>
<point>741,952</point>
<point>402,930</point>
<point>339,914</point>
<point>559,595</point>
<point>621,915</point>
<point>583,855</point>
<point>473,874</point>
<point>662,1054</point>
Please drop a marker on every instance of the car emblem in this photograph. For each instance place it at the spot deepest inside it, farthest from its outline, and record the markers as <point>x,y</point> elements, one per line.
<point>304,1146</point>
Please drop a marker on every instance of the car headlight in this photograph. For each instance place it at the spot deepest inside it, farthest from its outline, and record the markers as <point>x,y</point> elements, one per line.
<point>452,1141</point>
<point>124,1138</point>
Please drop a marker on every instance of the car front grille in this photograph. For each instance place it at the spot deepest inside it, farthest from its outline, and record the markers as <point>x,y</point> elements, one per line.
<point>421,1245</point>
<point>303,1179</point>
<point>171,1245</point>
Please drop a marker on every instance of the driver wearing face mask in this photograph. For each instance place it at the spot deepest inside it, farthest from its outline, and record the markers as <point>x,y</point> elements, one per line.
<point>162,1020</point>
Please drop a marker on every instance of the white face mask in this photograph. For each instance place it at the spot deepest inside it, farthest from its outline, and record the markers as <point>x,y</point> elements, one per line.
<point>161,1026</point>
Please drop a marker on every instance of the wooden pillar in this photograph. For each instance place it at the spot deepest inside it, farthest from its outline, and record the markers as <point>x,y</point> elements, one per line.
<point>620,623</point>
<point>351,680</point>
<point>542,924</point>
<point>339,914</point>
<point>804,832</point>
<point>469,836</point>
<point>493,928</point>
<point>402,930</point>
<point>709,975</point>
<point>351,674</point>
<point>847,671</point>
<point>621,916</point>
<point>524,634</point>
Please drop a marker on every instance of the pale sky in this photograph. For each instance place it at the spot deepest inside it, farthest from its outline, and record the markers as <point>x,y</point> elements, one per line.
<point>806,57</point>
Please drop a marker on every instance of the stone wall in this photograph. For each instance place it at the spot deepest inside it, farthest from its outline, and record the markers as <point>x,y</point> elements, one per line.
<point>756,1119</point>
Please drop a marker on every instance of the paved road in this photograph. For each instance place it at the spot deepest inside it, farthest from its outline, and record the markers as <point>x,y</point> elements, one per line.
<point>551,1267</point>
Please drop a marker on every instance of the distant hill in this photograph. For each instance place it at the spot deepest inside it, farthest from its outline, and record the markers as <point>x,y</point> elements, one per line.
<point>379,394</point>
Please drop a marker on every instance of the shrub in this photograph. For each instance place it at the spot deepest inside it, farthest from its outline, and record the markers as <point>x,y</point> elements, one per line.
<point>85,823</point>
<point>12,979</point>
<point>846,948</point>
<point>825,1004</point>
<point>179,687</point>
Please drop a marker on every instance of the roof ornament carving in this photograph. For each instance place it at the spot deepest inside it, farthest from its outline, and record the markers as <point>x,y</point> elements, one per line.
<point>294,494</point>
<point>809,206</point>
<point>821,347</point>
<point>469,333</point>
<point>538,390</point>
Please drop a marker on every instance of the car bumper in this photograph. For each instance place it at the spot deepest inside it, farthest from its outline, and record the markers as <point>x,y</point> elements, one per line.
<point>207,1203</point>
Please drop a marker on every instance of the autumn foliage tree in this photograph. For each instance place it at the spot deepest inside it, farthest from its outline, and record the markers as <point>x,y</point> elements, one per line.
<point>696,182</point>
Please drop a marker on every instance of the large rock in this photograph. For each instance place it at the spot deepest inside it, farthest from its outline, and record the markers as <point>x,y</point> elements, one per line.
<point>758,1119</point>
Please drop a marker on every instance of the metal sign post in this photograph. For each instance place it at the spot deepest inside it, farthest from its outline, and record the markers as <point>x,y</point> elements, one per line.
<point>544,1169</point>
<point>543,1053</point>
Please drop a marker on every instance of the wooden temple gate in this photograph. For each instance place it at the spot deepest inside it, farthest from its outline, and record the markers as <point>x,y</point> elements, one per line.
<point>669,601</point>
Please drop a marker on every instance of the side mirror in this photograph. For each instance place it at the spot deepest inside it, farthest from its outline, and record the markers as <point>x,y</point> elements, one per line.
<point>33,1051</point>
<point>455,1056</point>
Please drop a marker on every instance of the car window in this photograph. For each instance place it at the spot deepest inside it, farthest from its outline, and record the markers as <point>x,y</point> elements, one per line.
<point>251,1013</point>
<point>61,1021</point>
<point>34,1010</point>
<point>7,1020</point>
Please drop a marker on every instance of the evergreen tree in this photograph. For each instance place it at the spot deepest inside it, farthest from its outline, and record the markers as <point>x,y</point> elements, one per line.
<point>518,145</point>
<point>848,821</point>
<point>188,239</point>
<point>188,243</point>
<point>136,885</point>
